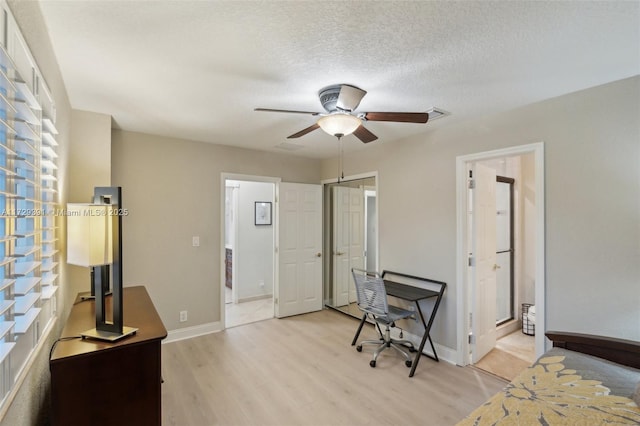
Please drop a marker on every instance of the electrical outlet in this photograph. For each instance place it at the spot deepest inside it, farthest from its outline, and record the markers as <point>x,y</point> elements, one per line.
<point>261,283</point>
<point>183,316</point>
<point>195,241</point>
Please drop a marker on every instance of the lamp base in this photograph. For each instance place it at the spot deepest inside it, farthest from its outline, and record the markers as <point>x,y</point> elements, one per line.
<point>108,336</point>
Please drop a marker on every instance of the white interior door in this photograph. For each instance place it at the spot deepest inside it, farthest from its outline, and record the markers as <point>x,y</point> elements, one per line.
<point>300,250</point>
<point>484,253</point>
<point>341,270</point>
<point>356,236</point>
<point>348,237</point>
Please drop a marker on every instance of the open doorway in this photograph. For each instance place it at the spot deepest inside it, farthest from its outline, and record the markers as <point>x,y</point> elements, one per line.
<point>249,235</point>
<point>502,346</point>
<point>501,257</point>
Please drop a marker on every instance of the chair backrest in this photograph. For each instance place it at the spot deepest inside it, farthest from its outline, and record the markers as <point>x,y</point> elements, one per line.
<point>370,291</point>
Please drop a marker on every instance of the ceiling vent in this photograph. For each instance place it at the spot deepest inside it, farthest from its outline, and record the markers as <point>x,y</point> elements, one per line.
<point>435,113</point>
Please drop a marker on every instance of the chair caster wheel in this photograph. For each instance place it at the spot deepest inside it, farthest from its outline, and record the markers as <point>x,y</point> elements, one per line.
<point>372,364</point>
<point>407,363</point>
<point>412,349</point>
<point>359,348</point>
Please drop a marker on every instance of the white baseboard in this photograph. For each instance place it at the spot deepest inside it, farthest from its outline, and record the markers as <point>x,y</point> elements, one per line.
<point>444,353</point>
<point>195,331</point>
<point>254,298</point>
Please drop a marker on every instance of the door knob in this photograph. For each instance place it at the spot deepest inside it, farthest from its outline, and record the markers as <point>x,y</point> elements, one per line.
<point>339,253</point>
<point>318,254</point>
<point>495,266</point>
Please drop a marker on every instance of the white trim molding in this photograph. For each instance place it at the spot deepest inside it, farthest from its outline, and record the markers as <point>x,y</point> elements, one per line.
<point>194,331</point>
<point>444,353</point>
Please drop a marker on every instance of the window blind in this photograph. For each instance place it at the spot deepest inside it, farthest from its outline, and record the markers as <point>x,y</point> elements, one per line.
<point>28,206</point>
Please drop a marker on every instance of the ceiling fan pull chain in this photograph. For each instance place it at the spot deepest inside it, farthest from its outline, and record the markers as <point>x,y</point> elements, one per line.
<point>341,160</point>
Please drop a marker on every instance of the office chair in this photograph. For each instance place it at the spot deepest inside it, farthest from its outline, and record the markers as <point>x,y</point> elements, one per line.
<point>372,300</point>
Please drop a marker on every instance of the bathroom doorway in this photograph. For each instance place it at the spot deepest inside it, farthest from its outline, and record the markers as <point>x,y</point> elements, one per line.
<point>488,315</point>
<point>510,350</point>
<point>249,251</point>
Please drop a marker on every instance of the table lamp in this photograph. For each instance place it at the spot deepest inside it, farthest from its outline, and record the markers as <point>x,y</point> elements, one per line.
<point>89,241</point>
<point>94,239</point>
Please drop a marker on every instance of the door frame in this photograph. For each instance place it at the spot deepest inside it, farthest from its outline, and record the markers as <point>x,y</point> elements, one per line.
<point>234,254</point>
<point>512,287</point>
<point>251,178</point>
<point>463,308</point>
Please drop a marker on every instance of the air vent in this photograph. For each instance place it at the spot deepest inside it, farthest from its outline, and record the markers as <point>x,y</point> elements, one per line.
<point>435,113</point>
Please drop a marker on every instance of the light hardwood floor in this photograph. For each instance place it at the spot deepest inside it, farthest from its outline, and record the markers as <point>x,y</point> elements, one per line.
<point>303,371</point>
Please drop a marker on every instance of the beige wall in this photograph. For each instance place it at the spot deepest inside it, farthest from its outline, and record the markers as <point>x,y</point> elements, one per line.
<point>526,232</point>
<point>89,166</point>
<point>90,158</point>
<point>172,189</point>
<point>592,173</point>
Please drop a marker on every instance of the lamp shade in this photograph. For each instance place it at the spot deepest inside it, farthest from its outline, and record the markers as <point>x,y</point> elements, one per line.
<point>339,124</point>
<point>89,234</point>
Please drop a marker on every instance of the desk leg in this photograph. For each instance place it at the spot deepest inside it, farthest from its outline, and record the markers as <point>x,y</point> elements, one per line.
<point>355,338</point>
<point>423,341</point>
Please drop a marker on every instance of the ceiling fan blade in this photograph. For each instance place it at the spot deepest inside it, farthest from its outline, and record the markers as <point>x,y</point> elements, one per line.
<point>400,117</point>
<point>349,97</point>
<point>304,131</point>
<point>364,134</point>
<point>286,110</point>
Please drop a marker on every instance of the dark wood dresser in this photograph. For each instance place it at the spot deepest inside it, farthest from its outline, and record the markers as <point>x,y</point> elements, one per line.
<point>101,383</point>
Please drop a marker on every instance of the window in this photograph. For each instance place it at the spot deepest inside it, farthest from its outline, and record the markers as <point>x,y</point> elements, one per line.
<point>28,205</point>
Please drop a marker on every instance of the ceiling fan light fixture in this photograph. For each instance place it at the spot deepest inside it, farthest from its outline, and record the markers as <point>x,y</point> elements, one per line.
<point>339,124</point>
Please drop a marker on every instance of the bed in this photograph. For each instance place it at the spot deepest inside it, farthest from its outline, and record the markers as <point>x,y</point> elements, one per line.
<point>582,380</point>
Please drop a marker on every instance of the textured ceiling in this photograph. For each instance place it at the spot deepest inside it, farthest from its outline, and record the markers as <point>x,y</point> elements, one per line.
<point>197,69</point>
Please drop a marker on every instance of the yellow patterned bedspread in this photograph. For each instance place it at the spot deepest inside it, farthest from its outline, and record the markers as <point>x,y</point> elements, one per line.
<point>564,388</point>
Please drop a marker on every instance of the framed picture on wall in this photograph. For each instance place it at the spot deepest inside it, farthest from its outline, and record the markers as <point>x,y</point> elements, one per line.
<point>263,213</point>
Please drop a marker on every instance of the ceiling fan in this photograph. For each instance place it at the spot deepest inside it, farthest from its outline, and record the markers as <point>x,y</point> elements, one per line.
<point>340,102</point>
